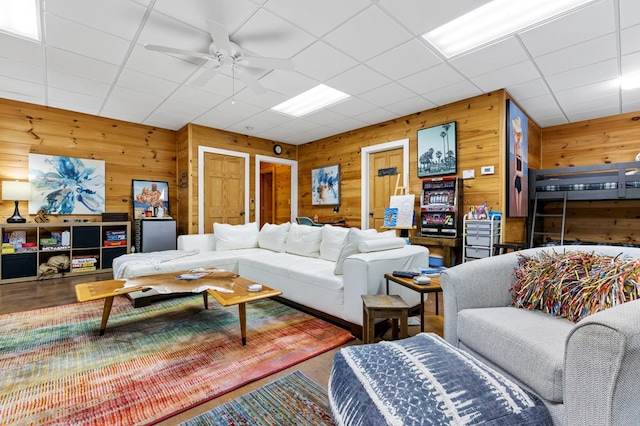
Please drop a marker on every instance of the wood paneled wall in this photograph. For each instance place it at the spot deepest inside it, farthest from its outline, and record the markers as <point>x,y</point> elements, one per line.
<point>196,136</point>
<point>130,151</point>
<point>481,141</point>
<point>606,140</point>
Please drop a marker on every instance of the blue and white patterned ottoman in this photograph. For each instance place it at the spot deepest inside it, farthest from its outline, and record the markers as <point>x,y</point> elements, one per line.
<point>423,380</point>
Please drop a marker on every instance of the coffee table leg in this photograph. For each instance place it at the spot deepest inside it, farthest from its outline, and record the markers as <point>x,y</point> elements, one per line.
<point>242,311</point>
<point>205,298</point>
<point>422,312</point>
<point>108,302</point>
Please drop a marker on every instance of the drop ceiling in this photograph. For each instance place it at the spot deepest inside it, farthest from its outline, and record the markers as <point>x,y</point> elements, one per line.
<point>91,60</point>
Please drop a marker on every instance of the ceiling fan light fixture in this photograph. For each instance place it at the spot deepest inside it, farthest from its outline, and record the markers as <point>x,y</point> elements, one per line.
<point>493,21</point>
<point>312,100</point>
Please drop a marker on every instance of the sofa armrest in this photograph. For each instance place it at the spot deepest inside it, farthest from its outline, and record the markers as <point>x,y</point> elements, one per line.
<point>364,274</point>
<point>481,283</point>
<point>602,368</point>
<point>202,242</point>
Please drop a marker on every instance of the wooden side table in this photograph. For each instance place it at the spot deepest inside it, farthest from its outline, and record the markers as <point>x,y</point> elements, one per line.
<point>383,306</point>
<point>432,287</point>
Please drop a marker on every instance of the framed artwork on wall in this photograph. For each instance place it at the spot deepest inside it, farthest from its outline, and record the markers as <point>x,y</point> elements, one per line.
<point>517,161</point>
<point>437,150</point>
<point>325,186</point>
<point>150,199</point>
<point>66,185</point>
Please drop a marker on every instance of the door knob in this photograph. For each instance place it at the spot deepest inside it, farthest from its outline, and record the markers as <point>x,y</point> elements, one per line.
<point>371,214</point>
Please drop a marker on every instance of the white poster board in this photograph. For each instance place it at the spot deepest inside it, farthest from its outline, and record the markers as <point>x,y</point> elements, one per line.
<point>404,204</point>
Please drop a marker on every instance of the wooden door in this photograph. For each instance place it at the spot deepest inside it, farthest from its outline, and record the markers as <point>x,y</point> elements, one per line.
<point>381,188</point>
<point>267,199</point>
<point>223,190</point>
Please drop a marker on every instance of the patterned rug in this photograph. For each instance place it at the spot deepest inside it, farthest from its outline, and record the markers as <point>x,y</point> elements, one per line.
<point>152,362</point>
<point>291,400</point>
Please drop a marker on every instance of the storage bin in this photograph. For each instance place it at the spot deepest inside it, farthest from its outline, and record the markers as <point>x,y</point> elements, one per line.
<point>482,240</point>
<point>477,252</point>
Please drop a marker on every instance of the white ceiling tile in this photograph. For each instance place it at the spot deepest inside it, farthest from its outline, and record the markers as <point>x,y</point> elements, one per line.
<point>508,76</point>
<point>422,16</point>
<point>368,34</point>
<point>288,83</point>
<point>116,17</point>
<point>544,108</point>
<point>259,36</point>
<point>629,13</point>
<point>230,13</point>
<point>440,76</point>
<point>321,61</point>
<point>317,17</point>
<point>74,101</point>
<point>388,94</point>
<point>73,83</point>
<point>164,30</point>
<point>378,115</point>
<point>589,74</point>
<point>21,90</point>
<point>81,66</point>
<point>629,40</point>
<point>530,89</point>
<point>146,83</point>
<point>358,80</point>
<point>20,49</point>
<point>411,106</point>
<point>404,60</point>
<point>21,70</point>
<point>588,23</point>
<point>347,123</point>
<point>590,97</point>
<point>598,111</point>
<point>631,63</point>
<point>125,103</point>
<point>352,106</point>
<point>490,58</point>
<point>590,52</point>
<point>162,66</point>
<point>452,93</point>
<point>85,41</point>
<point>167,120</point>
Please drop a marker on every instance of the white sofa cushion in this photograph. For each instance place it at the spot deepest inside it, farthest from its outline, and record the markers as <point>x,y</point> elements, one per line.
<point>274,237</point>
<point>350,245</point>
<point>381,244</point>
<point>234,237</point>
<point>332,240</point>
<point>304,240</point>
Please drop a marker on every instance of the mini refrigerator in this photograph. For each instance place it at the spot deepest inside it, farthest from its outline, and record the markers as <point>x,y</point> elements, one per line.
<point>155,235</point>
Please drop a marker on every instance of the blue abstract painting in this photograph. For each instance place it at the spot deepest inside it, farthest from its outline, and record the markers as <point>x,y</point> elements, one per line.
<point>66,185</point>
<point>325,185</point>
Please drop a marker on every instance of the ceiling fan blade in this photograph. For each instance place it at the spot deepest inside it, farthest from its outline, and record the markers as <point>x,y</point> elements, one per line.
<point>174,51</point>
<point>219,35</point>
<point>267,63</point>
<point>251,82</point>
<point>205,76</point>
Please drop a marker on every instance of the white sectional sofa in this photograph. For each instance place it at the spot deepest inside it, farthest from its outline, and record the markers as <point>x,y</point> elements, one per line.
<point>326,269</point>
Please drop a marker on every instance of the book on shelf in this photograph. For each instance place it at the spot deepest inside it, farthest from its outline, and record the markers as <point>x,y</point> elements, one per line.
<point>115,243</point>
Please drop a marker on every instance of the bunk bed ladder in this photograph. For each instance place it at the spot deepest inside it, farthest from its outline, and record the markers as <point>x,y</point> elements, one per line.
<point>537,205</point>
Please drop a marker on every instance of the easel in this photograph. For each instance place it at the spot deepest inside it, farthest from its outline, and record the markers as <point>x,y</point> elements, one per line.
<point>402,190</point>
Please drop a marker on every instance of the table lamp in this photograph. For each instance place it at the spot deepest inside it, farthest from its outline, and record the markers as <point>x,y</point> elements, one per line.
<point>16,191</point>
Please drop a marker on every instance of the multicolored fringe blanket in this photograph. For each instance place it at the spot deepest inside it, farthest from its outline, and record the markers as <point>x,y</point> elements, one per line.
<point>575,284</point>
<point>423,380</point>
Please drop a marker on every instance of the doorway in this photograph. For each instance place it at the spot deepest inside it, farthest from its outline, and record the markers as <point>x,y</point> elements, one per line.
<point>276,190</point>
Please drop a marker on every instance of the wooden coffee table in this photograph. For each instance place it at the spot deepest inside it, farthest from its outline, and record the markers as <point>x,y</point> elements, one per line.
<point>109,289</point>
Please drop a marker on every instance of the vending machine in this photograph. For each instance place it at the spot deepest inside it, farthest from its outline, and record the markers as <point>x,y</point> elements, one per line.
<point>439,207</point>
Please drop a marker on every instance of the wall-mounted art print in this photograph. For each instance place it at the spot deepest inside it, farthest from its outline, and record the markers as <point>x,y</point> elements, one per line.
<point>66,185</point>
<point>150,199</point>
<point>437,152</point>
<point>325,185</point>
<point>517,161</point>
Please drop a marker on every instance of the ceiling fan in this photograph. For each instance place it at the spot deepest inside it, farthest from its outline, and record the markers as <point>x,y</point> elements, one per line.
<point>224,54</point>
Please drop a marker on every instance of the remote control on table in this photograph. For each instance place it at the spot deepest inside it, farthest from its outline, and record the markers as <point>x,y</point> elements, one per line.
<point>405,274</point>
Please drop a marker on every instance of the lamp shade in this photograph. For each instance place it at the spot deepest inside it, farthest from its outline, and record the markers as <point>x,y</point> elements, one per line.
<point>16,190</point>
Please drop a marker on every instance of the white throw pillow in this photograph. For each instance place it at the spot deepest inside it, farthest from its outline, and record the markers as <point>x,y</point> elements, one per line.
<point>304,240</point>
<point>354,237</point>
<point>381,244</point>
<point>332,240</point>
<point>274,237</point>
<point>234,237</point>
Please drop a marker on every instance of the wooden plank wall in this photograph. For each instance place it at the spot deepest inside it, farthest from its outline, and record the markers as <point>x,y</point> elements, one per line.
<point>130,151</point>
<point>481,142</point>
<point>606,140</point>
<point>209,137</point>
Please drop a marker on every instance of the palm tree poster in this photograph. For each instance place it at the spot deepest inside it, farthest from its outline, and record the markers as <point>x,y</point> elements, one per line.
<point>437,150</point>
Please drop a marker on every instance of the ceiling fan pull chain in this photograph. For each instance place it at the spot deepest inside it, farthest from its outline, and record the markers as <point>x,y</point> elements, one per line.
<point>233,85</point>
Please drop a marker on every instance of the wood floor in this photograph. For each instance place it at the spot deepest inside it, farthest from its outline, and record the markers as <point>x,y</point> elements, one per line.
<point>31,295</point>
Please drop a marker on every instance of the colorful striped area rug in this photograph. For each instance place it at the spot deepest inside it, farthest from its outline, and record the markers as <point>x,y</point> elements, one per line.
<point>291,400</point>
<point>152,362</point>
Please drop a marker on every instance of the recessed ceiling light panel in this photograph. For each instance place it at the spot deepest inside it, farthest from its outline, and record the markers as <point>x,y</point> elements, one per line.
<point>495,20</point>
<point>312,100</point>
<point>20,17</point>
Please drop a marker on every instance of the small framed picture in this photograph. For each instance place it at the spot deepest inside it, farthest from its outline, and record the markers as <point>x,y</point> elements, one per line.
<point>437,153</point>
<point>325,186</point>
<point>150,199</point>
